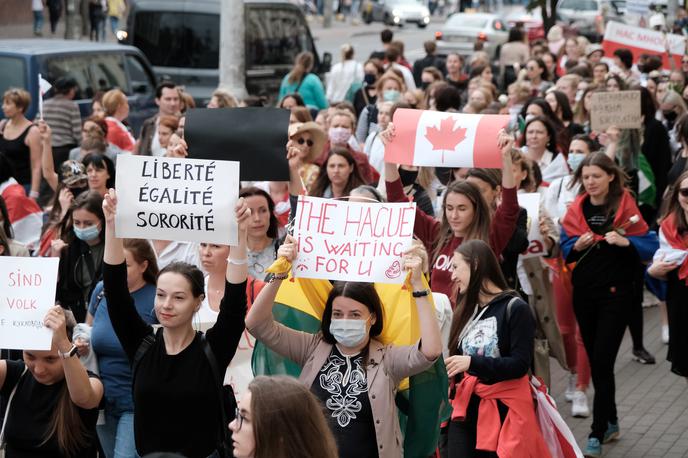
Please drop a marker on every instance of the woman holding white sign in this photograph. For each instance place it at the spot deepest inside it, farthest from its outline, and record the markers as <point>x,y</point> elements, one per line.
<point>344,365</point>
<point>465,215</point>
<point>52,399</point>
<point>176,381</point>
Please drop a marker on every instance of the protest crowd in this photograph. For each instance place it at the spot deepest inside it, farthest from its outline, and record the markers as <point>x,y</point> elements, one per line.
<point>524,208</point>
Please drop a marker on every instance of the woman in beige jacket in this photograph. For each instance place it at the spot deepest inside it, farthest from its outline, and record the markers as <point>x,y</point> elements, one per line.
<point>353,374</point>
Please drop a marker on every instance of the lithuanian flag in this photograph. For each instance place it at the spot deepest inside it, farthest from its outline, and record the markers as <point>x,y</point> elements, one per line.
<point>421,400</point>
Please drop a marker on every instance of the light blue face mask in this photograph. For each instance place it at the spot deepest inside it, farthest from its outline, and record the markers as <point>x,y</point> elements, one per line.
<point>391,95</point>
<point>349,333</point>
<point>574,160</point>
<point>88,233</point>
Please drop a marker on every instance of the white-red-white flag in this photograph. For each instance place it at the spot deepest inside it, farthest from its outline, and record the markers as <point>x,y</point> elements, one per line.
<point>434,138</point>
<point>43,88</point>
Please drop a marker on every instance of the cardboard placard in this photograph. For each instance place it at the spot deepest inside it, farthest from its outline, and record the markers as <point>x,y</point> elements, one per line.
<point>256,137</point>
<point>27,292</point>
<point>187,200</point>
<point>620,109</point>
<point>352,241</point>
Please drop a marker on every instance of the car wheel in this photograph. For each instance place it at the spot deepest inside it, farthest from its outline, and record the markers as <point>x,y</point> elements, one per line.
<point>388,20</point>
<point>367,18</point>
<point>422,25</point>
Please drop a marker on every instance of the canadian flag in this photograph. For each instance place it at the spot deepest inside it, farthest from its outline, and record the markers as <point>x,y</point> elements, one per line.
<point>434,138</point>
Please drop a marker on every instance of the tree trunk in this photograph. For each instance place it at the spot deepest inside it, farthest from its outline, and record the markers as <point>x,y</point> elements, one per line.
<point>233,48</point>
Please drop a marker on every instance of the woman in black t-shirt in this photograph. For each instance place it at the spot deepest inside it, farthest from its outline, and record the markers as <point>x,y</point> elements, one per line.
<point>177,371</point>
<point>54,400</point>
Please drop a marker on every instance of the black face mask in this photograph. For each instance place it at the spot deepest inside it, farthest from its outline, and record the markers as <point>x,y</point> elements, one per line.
<point>77,191</point>
<point>369,79</point>
<point>424,85</point>
<point>408,177</point>
<point>670,116</point>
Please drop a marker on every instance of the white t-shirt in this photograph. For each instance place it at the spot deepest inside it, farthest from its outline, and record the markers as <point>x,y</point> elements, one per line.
<point>340,78</point>
<point>37,5</point>
<point>178,251</point>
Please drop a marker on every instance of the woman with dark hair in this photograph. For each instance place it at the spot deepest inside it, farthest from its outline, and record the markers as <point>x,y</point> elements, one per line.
<point>604,234</point>
<point>54,399</point>
<point>100,171</point>
<point>670,264</point>
<point>614,83</point>
<point>345,366</point>
<point>264,426</point>
<point>561,107</point>
<point>538,75</point>
<point>540,107</point>
<point>539,142</point>
<point>337,176</point>
<point>81,259</point>
<point>681,159</point>
<point>117,434</point>
<point>655,146</point>
<point>263,231</point>
<point>291,100</point>
<point>581,115</point>
<point>176,381</point>
<point>465,216</point>
<point>491,348</point>
<point>367,93</point>
<point>300,80</point>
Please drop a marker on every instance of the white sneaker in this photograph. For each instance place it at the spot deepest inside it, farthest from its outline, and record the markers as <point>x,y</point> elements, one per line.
<point>579,407</point>
<point>665,334</point>
<point>571,388</point>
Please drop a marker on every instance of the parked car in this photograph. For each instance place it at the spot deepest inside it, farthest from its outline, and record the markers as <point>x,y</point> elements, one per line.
<point>94,66</point>
<point>181,38</point>
<point>461,30</point>
<point>396,12</point>
<point>583,16</point>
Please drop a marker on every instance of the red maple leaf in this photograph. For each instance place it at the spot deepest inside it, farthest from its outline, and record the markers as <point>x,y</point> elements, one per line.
<point>446,137</point>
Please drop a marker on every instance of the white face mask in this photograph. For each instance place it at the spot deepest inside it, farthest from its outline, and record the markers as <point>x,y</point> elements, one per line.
<point>349,333</point>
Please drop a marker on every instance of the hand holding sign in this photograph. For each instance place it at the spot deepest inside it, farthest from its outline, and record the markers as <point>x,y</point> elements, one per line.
<point>289,249</point>
<point>56,321</point>
<point>414,264</point>
<point>110,206</point>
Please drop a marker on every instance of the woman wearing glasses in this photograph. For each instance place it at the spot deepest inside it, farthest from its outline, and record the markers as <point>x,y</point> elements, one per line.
<point>278,416</point>
<point>671,264</point>
<point>306,141</point>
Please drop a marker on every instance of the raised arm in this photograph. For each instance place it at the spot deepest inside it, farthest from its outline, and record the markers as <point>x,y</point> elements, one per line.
<point>33,141</point>
<point>84,391</point>
<point>431,340</point>
<point>47,164</point>
<point>505,218</point>
<point>127,323</point>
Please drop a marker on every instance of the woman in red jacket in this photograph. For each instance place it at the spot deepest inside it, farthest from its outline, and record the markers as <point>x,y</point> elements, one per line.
<point>465,215</point>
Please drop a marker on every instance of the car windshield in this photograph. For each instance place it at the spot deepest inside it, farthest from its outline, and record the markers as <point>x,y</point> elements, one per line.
<point>466,20</point>
<point>175,39</point>
<point>13,73</point>
<point>579,5</point>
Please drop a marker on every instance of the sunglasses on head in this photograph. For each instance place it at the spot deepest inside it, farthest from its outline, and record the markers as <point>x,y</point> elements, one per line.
<point>683,192</point>
<point>308,142</point>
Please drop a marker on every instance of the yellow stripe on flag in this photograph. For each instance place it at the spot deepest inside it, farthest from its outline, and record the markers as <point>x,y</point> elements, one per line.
<point>306,295</point>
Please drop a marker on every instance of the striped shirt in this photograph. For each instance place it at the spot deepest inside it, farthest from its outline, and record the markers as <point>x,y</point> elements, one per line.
<point>64,118</point>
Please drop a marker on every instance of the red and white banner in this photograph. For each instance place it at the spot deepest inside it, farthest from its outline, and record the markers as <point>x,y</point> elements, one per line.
<point>434,138</point>
<point>643,41</point>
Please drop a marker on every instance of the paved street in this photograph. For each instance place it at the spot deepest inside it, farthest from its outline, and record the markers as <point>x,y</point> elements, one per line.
<point>652,402</point>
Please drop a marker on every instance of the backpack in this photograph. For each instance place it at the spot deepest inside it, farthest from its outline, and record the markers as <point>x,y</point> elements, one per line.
<point>225,393</point>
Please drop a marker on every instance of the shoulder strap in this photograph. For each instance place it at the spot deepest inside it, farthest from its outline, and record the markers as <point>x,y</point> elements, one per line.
<point>99,298</point>
<point>145,344</point>
<point>298,86</point>
<point>9,404</point>
<point>210,356</point>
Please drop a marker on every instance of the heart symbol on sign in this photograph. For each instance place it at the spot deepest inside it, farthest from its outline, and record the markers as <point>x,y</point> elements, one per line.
<point>394,270</point>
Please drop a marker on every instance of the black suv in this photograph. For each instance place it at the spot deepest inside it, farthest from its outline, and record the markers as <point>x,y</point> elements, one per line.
<point>181,38</point>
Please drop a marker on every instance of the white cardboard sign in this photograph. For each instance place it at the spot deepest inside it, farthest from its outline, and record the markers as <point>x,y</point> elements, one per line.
<point>352,241</point>
<point>27,292</point>
<point>187,200</point>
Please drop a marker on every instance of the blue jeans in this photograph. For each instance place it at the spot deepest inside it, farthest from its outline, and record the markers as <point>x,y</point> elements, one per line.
<point>37,22</point>
<point>117,434</point>
<point>114,23</point>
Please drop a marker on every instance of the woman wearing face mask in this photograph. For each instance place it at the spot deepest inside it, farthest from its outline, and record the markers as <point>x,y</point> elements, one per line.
<point>491,348</point>
<point>557,198</point>
<point>81,259</point>
<point>540,145</point>
<point>265,425</point>
<point>390,88</point>
<point>672,107</point>
<point>344,364</point>
<point>117,434</point>
<point>101,173</point>
<point>604,276</point>
<point>669,264</point>
<point>176,380</point>
<point>342,124</point>
<point>465,216</point>
<point>367,93</point>
<point>55,400</point>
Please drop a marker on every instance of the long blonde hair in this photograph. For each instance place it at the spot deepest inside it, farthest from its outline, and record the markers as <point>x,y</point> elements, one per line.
<point>303,64</point>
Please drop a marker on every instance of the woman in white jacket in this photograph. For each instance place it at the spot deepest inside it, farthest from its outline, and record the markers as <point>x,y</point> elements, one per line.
<point>342,75</point>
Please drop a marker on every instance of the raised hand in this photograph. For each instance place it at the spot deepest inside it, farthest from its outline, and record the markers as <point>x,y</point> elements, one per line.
<point>388,134</point>
<point>45,131</point>
<point>110,206</point>
<point>55,321</point>
<point>243,214</point>
<point>288,249</point>
<point>412,262</point>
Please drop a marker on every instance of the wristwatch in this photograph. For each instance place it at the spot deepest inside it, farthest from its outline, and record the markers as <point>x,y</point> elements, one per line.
<point>423,293</point>
<point>68,354</point>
